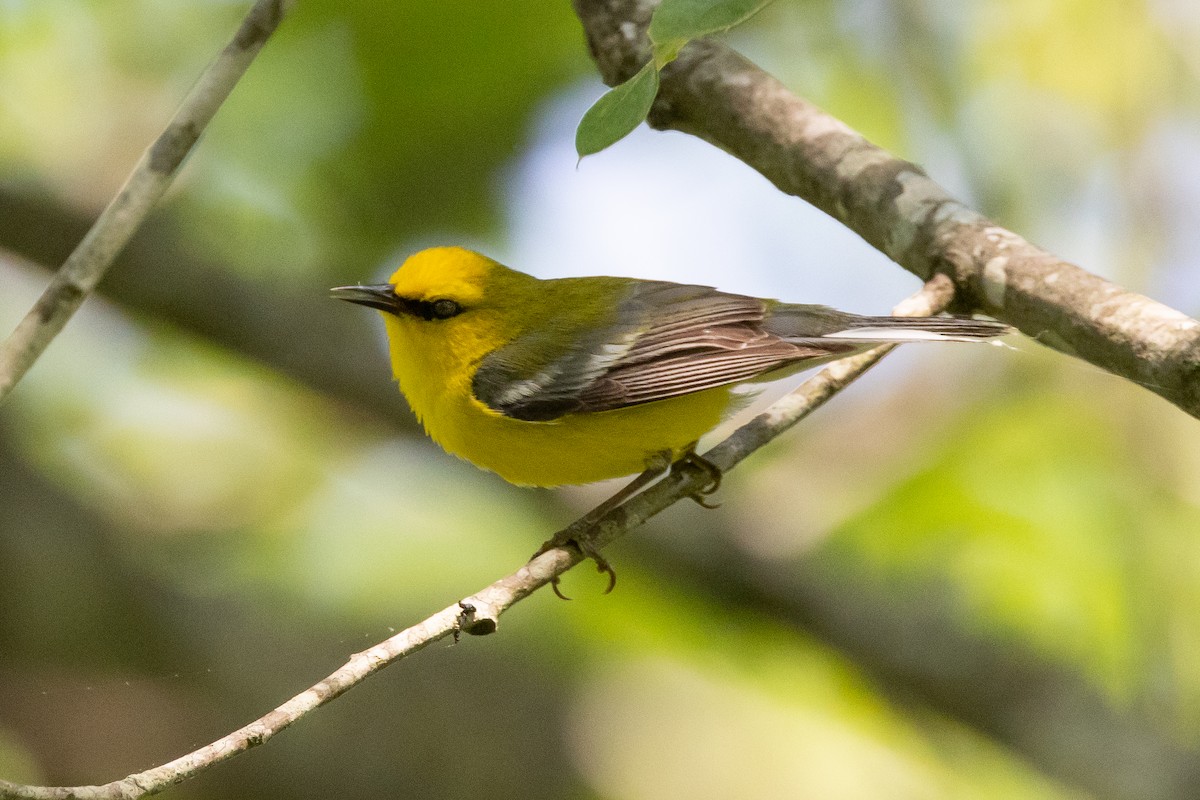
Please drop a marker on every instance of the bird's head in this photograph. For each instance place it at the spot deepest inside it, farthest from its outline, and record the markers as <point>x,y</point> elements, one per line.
<point>445,308</point>
<point>441,283</point>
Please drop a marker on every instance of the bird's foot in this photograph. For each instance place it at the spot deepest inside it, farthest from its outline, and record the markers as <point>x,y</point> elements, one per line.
<point>692,458</point>
<point>569,537</point>
<point>574,534</point>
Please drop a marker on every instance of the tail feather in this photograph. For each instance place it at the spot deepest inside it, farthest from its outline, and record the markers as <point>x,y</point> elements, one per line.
<point>918,329</point>
<point>806,323</point>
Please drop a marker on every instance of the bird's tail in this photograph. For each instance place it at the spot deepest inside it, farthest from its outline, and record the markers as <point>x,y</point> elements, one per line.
<point>921,329</point>
<point>797,323</point>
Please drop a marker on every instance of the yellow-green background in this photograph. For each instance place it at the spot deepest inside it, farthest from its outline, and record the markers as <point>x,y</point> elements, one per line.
<point>975,575</point>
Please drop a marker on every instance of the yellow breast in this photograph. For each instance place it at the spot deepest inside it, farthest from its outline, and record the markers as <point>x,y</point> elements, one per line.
<point>576,448</point>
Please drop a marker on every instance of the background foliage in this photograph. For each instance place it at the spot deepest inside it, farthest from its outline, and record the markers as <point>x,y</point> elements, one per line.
<point>973,576</point>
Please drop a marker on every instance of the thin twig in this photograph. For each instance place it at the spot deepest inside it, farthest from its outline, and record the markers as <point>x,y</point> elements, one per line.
<point>480,613</point>
<point>153,173</point>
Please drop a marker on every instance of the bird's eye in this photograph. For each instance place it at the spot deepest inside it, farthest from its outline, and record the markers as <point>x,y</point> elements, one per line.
<point>445,309</point>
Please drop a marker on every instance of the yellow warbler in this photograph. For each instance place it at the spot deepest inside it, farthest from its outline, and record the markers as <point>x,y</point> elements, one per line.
<point>574,380</point>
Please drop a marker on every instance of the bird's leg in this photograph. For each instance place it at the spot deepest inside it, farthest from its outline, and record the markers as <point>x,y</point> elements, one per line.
<point>571,536</point>
<point>691,457</point>
<point>659,464</point>
<point>656,467</point>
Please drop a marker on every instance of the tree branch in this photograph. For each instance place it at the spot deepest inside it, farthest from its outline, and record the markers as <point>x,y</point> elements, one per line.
<point>714,93</point>
<point>151,176</point>
<point>479,614</point>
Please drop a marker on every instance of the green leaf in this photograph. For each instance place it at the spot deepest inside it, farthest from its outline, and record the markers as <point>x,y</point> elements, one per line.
<point>676,22</point>
<point>617,113</point>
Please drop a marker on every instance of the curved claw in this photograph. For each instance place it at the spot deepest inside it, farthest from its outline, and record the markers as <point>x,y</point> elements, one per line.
<point>588,551</point>
<point>557,591</point>
<point>602,565</point>
<point>698,498</point>
<point>605,568</point>
<point>692,458</point>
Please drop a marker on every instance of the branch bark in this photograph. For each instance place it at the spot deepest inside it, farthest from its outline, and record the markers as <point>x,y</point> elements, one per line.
<point>715,94</point>
<point>151,176</point>
<point>479,614</point>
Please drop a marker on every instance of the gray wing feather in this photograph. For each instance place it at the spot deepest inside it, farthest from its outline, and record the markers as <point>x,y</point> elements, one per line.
<point>669,340</point>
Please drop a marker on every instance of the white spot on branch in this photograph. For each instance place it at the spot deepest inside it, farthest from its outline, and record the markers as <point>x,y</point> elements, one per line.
<point>995,280</point>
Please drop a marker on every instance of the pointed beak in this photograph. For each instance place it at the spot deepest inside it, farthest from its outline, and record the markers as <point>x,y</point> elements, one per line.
<point>381,296</point>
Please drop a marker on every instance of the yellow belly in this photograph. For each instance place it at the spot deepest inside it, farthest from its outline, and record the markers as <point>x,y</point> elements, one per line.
<point>432,370</point>
<point>577,448</point>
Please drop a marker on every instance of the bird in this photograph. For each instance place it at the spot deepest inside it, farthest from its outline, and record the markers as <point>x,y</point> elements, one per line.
<point>559,381</point>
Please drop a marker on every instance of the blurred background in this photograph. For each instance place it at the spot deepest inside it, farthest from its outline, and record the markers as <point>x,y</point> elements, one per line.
<point>975,574</point>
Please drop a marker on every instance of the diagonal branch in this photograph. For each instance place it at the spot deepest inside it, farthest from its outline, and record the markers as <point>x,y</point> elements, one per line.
<point>151,176</point>
<point>719,96</point>
<point>480,613</point>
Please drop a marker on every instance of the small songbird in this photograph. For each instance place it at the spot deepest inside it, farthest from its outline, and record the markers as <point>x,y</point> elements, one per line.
<point>574,380</point>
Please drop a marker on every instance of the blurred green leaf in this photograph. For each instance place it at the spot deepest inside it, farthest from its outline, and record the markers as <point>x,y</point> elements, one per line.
<point>676,22</point>
<point>1027,516</point>
<point>617,113</point>
<point>16,762</point>
<point>667,662</point>
<point>1106,58</point>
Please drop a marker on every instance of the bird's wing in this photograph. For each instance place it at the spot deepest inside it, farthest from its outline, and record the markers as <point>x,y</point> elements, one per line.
<point>668,340</point>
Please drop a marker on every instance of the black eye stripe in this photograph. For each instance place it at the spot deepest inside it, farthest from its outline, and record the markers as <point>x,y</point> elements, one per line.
<point>430,309</point>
